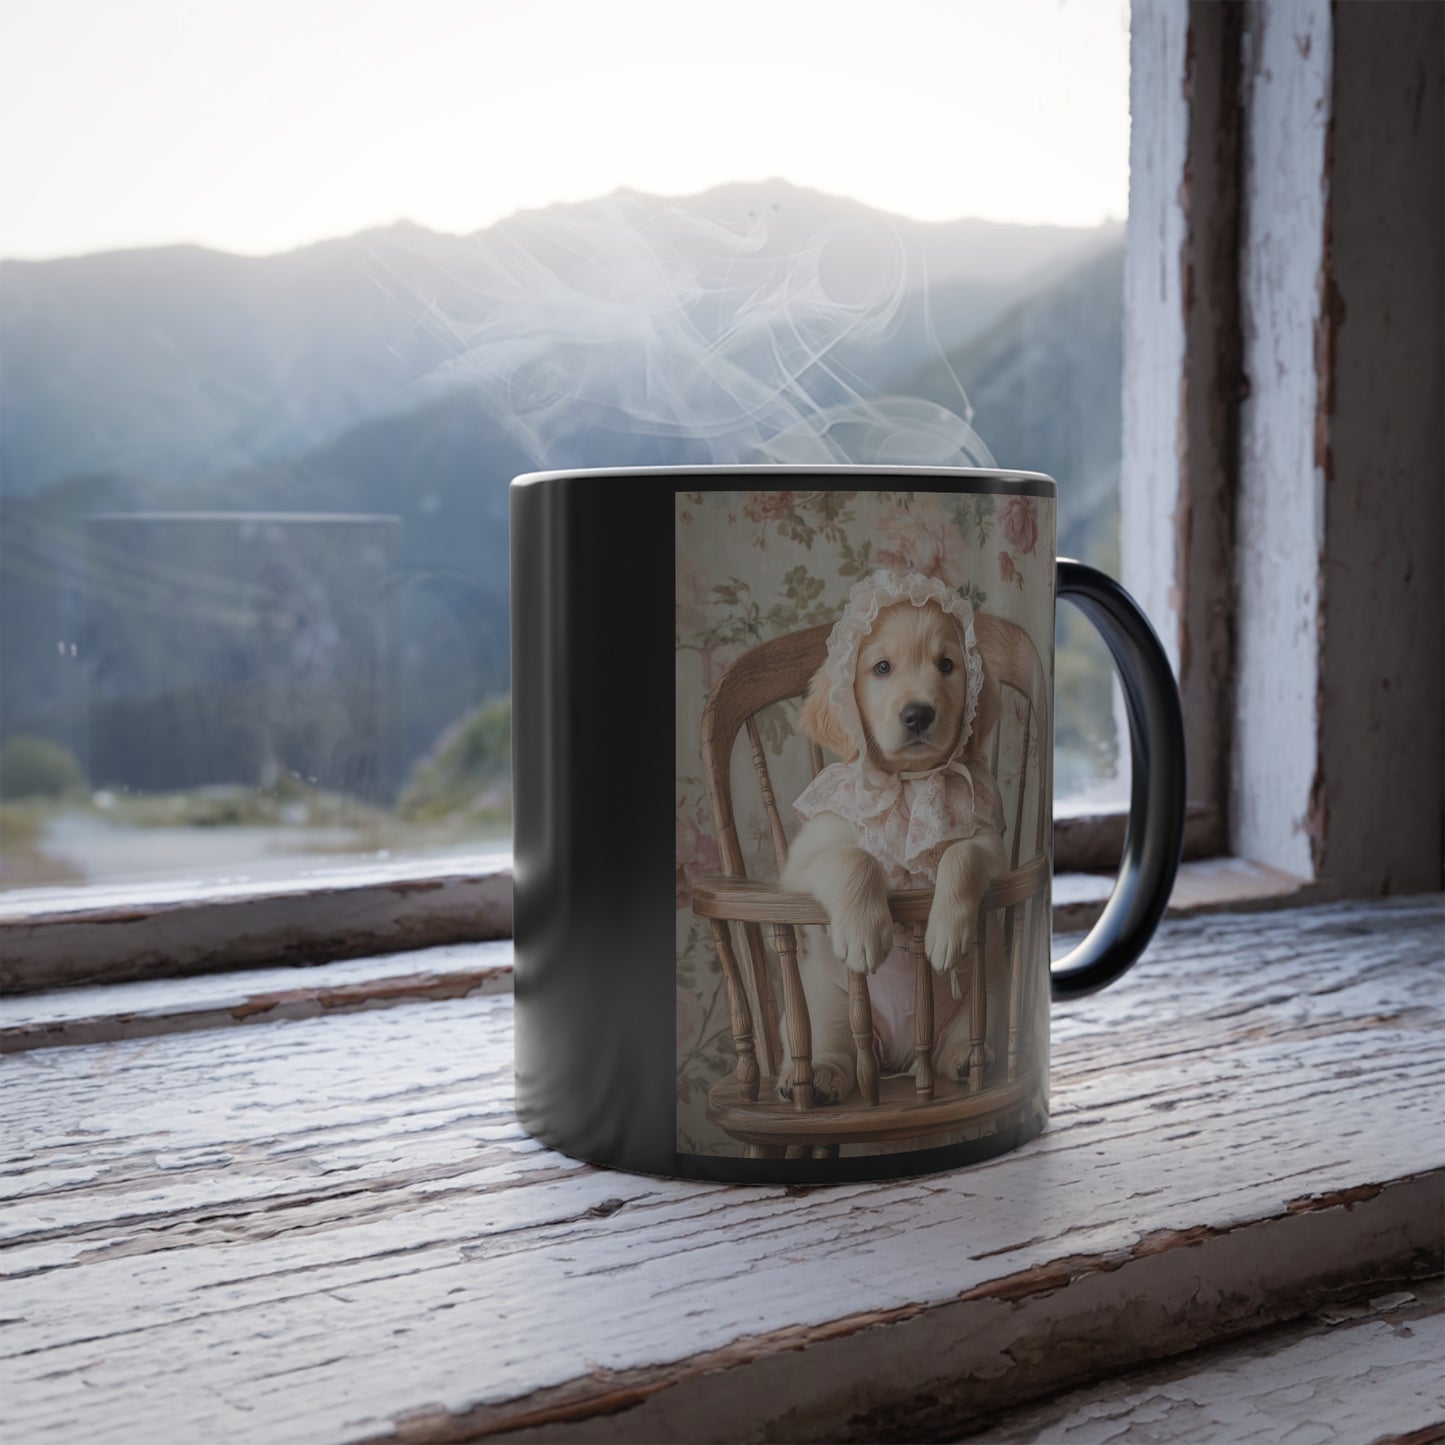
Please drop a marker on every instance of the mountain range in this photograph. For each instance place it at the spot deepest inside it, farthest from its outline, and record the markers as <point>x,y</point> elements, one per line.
<point>411,374</point>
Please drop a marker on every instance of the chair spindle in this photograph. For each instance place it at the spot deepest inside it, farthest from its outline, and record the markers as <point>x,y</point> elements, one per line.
<point>795,1008</point>
<point>1023,788</point>
<point>860,1021</point>
<point>1010,919</point>
<point>770,803</point>
<point>1017,965</point>
<point>922,1016</point>
<point>769,1031</point>
<point>738,1010</point>
<point>978,1009</point>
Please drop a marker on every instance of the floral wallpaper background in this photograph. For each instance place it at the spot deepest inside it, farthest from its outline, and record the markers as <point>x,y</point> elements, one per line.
<point>755,565</point>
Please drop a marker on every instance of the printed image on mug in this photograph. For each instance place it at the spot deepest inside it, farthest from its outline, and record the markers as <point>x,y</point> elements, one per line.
<point>863,754</point>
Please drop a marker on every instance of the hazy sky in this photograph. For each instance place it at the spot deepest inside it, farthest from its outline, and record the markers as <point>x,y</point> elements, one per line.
<point>256,125</point>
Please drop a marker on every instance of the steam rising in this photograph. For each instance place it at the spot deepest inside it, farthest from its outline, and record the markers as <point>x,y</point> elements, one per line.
<point>633,332</point>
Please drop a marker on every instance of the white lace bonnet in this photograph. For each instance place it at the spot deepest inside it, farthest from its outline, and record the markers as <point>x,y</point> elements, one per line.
<point>866,600</point>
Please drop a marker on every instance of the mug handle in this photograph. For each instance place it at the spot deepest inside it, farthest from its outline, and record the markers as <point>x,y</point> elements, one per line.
<point>1155,834</point>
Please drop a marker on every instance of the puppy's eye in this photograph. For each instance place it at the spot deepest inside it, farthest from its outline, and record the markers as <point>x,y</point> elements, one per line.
<point>882,669</point>
<point>945,665</point>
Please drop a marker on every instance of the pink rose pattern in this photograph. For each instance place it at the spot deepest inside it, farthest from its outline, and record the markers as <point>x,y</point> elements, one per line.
<point>767,506</point>
<point>921,538</point>
<point>720,613</point>
<point>1020,522</point>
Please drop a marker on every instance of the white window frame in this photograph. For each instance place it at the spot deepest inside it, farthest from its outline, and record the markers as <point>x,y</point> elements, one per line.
<point>1282,489</point>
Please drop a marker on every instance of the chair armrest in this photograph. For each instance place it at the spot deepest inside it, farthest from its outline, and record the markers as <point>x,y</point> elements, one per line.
<point>747,900</point>
<point>1018,884</point>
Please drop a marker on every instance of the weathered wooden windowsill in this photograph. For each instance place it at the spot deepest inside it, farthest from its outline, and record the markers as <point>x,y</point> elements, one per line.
<point>314,1217</point>
<point>71,937</point>
<point>57,937</point>
<point>99,1013</point>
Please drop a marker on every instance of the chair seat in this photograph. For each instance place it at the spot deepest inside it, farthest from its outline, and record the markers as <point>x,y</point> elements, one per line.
<point>746,900</point>
<point>898,1114</point>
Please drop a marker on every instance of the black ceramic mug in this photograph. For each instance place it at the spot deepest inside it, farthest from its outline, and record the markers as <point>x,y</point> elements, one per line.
<point>782,878</point>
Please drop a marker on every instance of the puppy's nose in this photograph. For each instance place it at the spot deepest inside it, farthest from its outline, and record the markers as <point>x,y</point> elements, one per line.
<point>916,717</point>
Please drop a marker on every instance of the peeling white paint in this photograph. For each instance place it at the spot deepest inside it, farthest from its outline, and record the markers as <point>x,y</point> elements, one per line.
<point>1153,315</point>
<point>1280,507</point>
<point>319,1229</point>
<point>1372,1380</point>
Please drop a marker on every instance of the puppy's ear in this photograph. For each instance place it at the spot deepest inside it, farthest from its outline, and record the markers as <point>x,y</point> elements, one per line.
<point>820,723</point>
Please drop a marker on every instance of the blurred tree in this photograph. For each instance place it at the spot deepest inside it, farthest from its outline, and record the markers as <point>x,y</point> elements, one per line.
<point>32,767</point>
<point>467,772</point>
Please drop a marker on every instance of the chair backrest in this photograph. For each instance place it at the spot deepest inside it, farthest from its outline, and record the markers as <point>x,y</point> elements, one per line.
<point>1012,661</point>
<point>769,673</point>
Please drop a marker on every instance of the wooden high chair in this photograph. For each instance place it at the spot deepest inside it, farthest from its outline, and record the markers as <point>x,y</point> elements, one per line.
<point>746,1104</point>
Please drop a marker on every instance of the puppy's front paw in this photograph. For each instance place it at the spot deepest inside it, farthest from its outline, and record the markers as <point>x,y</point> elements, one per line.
<point>862,934</point>
<point>951,934</point>
<point>833,1081</point>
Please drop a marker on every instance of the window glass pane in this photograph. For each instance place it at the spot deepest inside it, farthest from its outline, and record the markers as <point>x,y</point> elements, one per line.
<point>256,433</point>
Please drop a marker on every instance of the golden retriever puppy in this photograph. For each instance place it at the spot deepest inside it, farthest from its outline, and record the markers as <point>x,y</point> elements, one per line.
<point>904,703</point>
